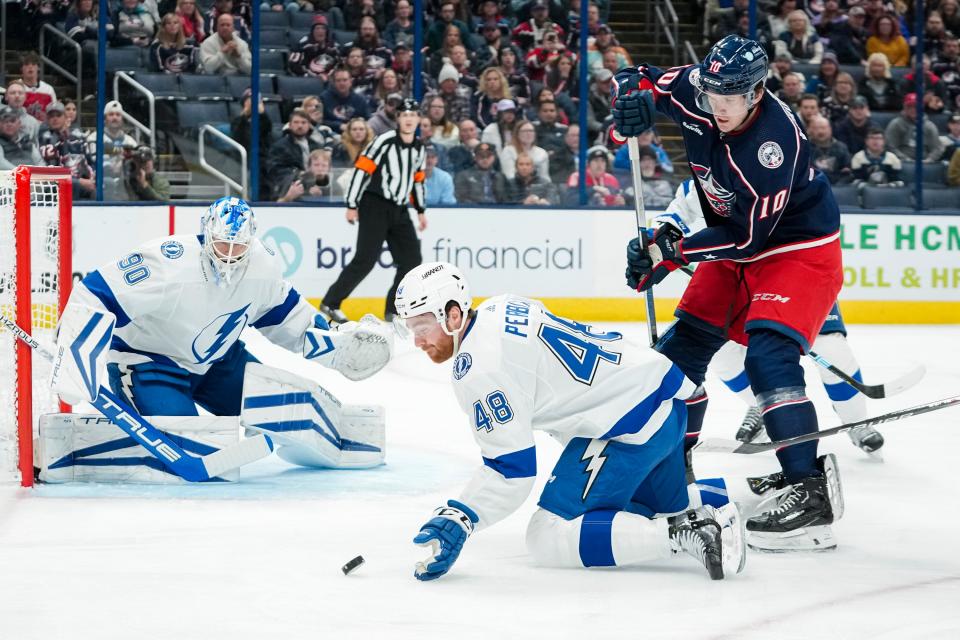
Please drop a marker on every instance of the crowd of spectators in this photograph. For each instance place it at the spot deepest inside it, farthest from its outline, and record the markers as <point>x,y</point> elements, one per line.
<point>847,68</point>
<point>501,103</point>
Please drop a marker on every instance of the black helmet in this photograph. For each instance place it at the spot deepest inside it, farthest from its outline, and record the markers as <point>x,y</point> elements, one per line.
<point>409,104</point>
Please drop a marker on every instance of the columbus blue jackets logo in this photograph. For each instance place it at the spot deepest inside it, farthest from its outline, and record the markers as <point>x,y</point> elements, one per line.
<point>770,155</point>
<point>171,249</point>
<point>462,365</point>
<point>720,199</point>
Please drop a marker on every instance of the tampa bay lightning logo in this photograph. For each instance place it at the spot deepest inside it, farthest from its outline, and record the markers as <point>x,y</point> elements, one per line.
<point>721,200</point>
<point>462,365</point>
<point>217,337</point>
<point>171,249</point>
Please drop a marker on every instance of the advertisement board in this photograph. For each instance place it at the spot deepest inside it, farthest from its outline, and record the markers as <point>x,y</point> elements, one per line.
<point>897,268</point>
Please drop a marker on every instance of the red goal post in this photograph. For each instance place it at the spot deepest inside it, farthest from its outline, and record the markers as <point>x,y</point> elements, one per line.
<point>35,281</point>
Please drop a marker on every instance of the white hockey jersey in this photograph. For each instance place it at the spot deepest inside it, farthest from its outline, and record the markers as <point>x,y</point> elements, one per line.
<point>170,310</point>
<point>521,368</point>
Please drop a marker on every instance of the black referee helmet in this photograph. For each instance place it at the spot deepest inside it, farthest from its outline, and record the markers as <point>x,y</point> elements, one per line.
<point>409,104</point>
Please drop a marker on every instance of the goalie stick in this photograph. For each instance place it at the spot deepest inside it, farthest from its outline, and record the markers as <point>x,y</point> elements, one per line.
<point>633,147</point>
<point>872,391</point>
<point>173,457</point>
<point>733,446</point>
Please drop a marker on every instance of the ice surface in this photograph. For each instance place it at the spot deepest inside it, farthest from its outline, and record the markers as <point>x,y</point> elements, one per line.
<point>261,559</point>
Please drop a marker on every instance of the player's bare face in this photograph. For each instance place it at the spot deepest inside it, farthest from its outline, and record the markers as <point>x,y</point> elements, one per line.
<point>429,337</point>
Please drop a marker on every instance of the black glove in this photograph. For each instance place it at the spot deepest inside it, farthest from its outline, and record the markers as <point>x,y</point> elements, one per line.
<point>646,268</point>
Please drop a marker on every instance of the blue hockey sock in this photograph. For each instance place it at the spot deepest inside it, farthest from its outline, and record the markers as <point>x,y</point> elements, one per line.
<point>773,365</point>
<point>787,412</point>
<point>696,410</point>
<point>596,538</point>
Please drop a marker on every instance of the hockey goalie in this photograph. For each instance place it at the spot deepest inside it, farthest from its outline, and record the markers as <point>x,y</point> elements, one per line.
<point>161,327</point>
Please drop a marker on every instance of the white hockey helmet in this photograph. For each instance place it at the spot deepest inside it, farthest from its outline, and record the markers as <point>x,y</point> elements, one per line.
<point>429,288</point>
<point>228,228</point>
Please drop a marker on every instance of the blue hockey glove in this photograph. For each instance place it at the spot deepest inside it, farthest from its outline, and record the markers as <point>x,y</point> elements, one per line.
<point>633,108</point>
<point>663,255</point>
<point>445,534</point>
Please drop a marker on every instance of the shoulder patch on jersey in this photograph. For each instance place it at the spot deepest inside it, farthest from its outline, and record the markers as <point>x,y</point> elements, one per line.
<point>770,155</point>
<point>462,365</point>
<point>171,249</point>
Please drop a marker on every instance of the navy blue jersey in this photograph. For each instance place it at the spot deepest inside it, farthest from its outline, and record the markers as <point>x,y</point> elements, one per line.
<point>759,194</point>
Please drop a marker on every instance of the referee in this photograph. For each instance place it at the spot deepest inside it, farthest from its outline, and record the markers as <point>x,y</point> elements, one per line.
<point>388,177</point>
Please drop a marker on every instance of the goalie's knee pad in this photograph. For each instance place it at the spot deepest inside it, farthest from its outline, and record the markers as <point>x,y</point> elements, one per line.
<point>311,427</point>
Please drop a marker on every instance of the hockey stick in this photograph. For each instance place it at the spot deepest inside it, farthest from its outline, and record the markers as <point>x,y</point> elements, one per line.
<point>633,147</point>
<point>173,457</point>
<point>875,391</point>
<point>734,446</point>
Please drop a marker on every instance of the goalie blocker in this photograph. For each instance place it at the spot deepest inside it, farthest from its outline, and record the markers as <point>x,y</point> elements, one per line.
<point>308,424</point>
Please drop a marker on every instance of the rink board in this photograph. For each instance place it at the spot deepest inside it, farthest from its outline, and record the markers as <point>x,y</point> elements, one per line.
<point>901,268</point>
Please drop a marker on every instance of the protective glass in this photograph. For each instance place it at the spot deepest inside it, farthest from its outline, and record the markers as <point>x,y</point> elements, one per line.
<point>415,327</point>
<point>732,106</point>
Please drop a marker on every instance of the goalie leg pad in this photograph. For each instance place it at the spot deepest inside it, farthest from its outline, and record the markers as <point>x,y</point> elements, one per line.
<point>75,447</point>
<point>80,362</point>
<point>311,427</point>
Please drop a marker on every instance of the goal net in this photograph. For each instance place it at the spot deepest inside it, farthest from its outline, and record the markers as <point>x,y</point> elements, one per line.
<point>35,278</point>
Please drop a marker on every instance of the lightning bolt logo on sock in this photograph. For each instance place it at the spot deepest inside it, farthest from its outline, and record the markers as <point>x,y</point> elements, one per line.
<point>593,456</point>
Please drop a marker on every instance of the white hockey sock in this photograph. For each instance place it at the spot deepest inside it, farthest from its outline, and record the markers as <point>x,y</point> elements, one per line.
<point>602,538</point>
<point>850,405</point>
<point>727,363</point>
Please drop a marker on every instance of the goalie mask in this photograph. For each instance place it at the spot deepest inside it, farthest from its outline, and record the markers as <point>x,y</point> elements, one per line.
<point>228,229</point>
<point>429,288</point>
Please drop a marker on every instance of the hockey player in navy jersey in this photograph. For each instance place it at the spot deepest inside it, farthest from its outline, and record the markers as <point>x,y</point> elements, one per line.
<point>770,263</point>
<point>161,324</point>
<point>685,214</point>
<point>615,406</point>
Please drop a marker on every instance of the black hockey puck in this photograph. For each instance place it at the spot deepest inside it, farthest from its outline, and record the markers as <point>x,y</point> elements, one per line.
<point>353,564</point>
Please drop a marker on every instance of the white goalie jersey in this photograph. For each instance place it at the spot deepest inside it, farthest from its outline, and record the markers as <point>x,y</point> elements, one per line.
<point>169,309</point>
<point>521,368</point>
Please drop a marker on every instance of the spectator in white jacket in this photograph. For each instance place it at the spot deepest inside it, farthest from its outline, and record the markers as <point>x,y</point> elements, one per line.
<point>225,52</point>
<point>524,139</point>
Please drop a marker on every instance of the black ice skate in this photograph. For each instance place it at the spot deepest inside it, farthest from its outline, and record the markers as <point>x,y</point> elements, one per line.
<point>713,536</point>
<point>334,316</point>
<point>688,460</point>
<point>799,520</point>
<point>868,439</point>
<point>752,425</point>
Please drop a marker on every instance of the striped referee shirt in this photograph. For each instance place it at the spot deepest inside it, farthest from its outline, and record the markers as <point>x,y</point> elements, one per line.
<point>392,169</point>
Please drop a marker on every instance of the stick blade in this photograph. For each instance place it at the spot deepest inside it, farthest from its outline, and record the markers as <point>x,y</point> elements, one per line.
<point>905,382</point>
<point>233,457</point>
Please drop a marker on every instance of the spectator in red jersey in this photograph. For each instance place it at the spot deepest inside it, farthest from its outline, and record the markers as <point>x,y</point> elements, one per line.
<point>540,57</point>
<point>192,20</point>
<point>528,35</point>
<point>603,189</point>
<point>39,93</point>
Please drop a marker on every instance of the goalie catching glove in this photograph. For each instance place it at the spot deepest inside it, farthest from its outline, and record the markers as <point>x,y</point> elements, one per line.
<point>355,349</point>
<point>444,534</point>
<point>80,365</point>
<point>663,254</point>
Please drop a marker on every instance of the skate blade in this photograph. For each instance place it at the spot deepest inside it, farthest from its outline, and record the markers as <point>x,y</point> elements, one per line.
<point>831,471</point>
<point>819,538</point>
<point>733,536</point>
